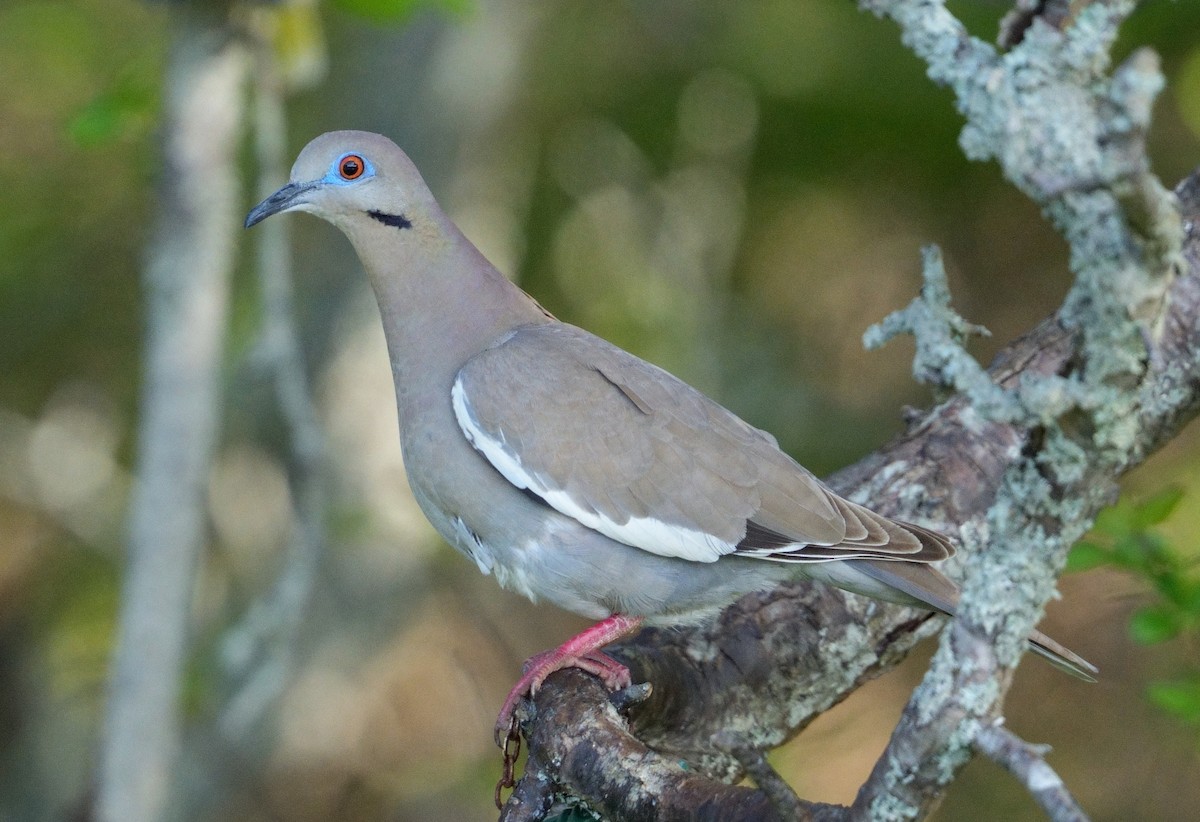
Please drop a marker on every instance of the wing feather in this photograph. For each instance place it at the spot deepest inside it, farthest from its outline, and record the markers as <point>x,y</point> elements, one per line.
<point>627,449</point>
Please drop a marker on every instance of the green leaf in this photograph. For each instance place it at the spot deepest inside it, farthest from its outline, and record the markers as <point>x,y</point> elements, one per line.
<point>1189,598</point>
<point>125,109</point>
<point>1086,555</point>
<point>1129,551</point>
<point>1116,521</point>
<point>1180,697</point>
<point>1154,624</point>
<point>301,56</point>
<point>1156,509</point>
<point>1176,589</point>
<point>397,11</point>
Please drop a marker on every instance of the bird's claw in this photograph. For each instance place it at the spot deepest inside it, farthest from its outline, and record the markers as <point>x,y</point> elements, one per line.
<point>612,673</point>
<point>624,698</point>
<point>507,731</point>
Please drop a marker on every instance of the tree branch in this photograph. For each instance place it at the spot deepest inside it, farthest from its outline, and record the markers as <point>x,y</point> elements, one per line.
<point>624,778</point>
<point>777,659</point>
<point>1047,106</point>
<point>1017,464</point>
<point>1027,763</point>
<point>186,279</point>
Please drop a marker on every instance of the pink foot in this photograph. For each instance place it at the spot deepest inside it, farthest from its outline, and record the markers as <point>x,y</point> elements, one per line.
<point>581,651</point>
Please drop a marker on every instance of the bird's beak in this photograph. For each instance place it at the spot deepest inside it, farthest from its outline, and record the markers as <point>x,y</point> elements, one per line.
<point>290,196</point>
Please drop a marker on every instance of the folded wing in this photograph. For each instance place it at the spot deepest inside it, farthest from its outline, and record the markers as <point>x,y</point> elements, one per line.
<point>628,450</point>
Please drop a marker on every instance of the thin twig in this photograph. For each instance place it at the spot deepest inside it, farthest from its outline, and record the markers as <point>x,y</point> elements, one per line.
<point>1026,762</point>
<point>261,649</point>
<point>783,799</point>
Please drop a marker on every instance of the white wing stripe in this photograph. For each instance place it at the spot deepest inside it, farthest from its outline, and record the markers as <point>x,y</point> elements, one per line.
<point>647,533</point>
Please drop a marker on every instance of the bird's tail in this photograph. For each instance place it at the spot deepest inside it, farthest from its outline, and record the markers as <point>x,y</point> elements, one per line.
<point>1062,657</point>
<point>930,588</point>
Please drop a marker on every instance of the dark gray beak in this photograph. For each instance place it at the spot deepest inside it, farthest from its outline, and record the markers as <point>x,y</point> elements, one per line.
<point>290,195</point>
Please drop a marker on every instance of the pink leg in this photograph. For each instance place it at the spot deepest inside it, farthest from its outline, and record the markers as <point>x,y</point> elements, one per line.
<point>581,651</point>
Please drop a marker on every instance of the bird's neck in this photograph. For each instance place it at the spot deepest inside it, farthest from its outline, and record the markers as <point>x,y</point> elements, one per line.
<point>441,302</point>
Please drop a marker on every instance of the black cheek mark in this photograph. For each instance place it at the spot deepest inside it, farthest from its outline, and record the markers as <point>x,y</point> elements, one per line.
<point>394,220</point>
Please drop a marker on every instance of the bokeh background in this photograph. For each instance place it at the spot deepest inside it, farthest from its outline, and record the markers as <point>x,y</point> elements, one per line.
<point>734,191</point>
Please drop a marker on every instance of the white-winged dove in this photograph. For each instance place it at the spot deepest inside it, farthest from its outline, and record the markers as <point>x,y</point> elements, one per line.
<point>572,470</point>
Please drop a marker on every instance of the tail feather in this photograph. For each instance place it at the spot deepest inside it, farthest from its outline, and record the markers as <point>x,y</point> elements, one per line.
<point>925,586</point>
<point>1062,657</point>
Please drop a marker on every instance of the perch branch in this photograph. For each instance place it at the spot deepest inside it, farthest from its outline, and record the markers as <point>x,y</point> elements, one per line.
<point>777,659</point>
<point>1088,394</point>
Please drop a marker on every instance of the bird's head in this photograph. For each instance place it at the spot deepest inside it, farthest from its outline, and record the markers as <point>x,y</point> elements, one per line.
<point>350,178</point>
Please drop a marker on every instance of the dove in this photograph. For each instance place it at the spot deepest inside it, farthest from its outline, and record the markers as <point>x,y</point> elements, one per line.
<point>572,471</point>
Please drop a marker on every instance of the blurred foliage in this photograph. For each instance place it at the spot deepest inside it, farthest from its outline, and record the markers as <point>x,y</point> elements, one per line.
<point>395,12</point>
<point>732,190</point>
<point>1124,537</point>
<point>124,111</point>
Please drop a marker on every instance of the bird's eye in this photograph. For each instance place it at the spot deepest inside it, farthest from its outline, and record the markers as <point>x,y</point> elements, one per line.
<point>351,167</point>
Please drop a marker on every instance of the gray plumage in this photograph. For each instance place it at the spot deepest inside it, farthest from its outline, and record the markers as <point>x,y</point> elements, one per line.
<point>571,470</point>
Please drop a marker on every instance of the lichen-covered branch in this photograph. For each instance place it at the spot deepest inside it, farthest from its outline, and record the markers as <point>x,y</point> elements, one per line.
<point>1016,464</point>
<point>942,360</point>
<point>1047,108</point>
<point>777,659</point>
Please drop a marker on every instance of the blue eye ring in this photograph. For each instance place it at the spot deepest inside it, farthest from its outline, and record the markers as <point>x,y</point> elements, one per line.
<point>351,167</point>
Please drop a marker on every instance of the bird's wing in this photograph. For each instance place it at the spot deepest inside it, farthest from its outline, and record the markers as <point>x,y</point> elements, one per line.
<point>628,450</point>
